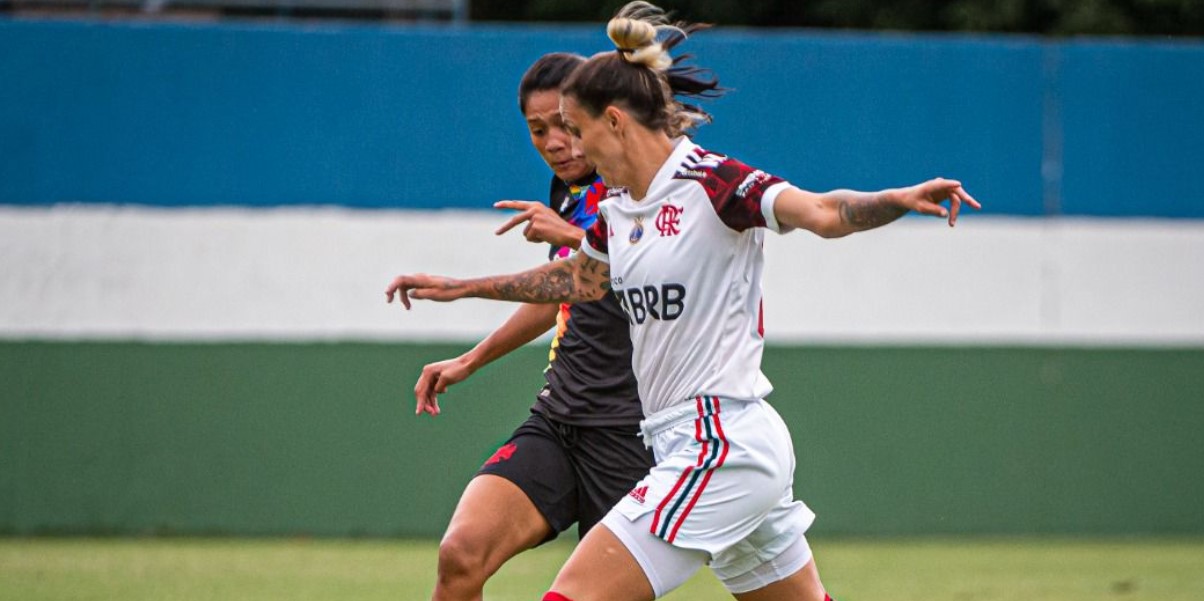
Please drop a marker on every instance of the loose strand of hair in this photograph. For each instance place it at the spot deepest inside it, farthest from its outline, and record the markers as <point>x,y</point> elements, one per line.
<point>693,81</point>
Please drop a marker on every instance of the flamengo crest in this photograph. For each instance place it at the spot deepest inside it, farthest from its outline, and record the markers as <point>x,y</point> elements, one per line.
<point>668,220</point>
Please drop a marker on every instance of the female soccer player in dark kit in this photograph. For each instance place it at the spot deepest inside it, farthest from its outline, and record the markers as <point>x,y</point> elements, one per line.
<point>579,451</point>
<point>679,242</point>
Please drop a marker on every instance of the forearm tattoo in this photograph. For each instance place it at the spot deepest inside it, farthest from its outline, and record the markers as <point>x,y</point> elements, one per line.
<point>868,211</point>
<point>557,282</point>
<point>594,277</point>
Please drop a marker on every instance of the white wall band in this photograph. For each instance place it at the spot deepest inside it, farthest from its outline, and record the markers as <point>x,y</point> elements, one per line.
<point>296,274</point>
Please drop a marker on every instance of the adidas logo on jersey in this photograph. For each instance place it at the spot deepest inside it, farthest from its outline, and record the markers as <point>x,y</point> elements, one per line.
<point>696,166</point>
<point>638,493</point>
<point>707,160</point>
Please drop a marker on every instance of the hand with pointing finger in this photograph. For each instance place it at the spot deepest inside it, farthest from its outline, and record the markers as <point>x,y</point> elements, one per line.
<point>543,224</point>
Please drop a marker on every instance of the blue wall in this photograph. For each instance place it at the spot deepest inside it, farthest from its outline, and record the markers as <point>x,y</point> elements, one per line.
<point>166,114</point>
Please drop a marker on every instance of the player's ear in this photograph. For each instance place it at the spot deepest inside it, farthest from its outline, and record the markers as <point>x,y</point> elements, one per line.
<point>614,118</point>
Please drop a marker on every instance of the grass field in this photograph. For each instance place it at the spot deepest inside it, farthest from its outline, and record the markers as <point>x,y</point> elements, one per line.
<point>854,570</point>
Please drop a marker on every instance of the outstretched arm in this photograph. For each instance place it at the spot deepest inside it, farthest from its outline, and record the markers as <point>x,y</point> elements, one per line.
<point>843,212</point>
<point>528,322</point>
<point>575,279</point>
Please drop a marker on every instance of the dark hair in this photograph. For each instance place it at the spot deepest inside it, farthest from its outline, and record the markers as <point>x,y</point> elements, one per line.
<point>641,77</point>
<point>547,73</point>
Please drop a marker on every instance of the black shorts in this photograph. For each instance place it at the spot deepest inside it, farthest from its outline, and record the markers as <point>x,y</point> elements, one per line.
<point>571,473</point>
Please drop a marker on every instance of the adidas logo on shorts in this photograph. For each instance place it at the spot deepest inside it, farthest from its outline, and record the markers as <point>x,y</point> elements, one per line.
<point>638,493</point>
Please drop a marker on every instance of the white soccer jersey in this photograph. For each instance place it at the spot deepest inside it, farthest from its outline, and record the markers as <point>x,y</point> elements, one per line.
<point>686,262</point>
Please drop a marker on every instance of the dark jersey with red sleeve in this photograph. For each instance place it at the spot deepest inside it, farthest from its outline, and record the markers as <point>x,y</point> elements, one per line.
<point>589,376</point>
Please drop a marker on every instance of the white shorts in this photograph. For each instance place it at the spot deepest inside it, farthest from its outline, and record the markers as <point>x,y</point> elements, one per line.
<point>722,485</point>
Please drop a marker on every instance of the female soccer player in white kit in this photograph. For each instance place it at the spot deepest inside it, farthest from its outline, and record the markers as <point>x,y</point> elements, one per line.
<point>680,243</point>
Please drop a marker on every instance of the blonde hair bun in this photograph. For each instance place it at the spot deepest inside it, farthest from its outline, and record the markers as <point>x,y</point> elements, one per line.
<point>630,34</point>
<point>634,30</point>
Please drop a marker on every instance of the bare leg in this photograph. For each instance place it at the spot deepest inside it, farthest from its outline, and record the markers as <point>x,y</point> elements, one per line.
<point>803,585</point>
<point>602,569</point>
<point>494,521</point>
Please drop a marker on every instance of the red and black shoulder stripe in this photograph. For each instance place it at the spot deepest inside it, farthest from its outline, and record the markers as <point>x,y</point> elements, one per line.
<point>735,189</point>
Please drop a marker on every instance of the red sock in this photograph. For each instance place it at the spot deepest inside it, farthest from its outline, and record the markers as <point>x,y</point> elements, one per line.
<point>554,596</point>
<point>827,598</point>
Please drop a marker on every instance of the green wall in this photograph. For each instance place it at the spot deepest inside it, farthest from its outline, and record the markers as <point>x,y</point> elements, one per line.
<point>320,439</point>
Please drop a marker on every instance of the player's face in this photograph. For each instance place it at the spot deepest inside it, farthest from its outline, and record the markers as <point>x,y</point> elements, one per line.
<point>596,140</point>
<point>551,139</point>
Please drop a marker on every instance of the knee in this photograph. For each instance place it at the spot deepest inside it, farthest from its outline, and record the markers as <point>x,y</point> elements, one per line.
<point>462,558</point>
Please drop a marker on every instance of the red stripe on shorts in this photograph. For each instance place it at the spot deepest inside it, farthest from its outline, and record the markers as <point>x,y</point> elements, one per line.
<point>656,518</point>
<point>710,470</point>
